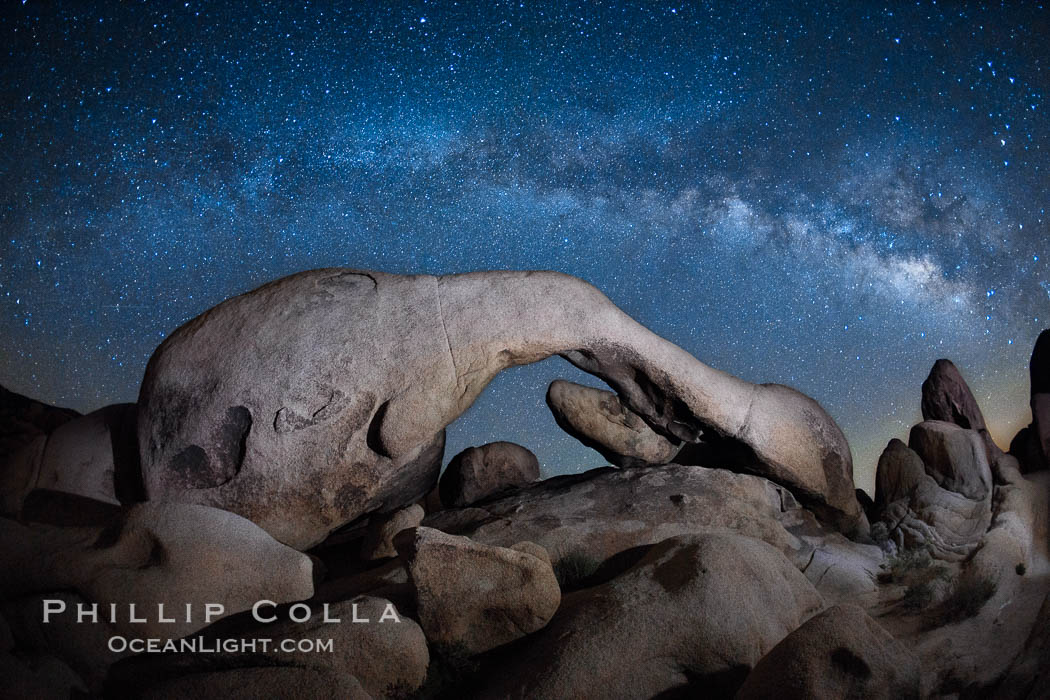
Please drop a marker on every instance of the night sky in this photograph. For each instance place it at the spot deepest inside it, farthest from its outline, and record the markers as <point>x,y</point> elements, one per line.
<point>826,198</point>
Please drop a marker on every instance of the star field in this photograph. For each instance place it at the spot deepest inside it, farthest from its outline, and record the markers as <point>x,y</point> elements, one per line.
<point>825,196</point>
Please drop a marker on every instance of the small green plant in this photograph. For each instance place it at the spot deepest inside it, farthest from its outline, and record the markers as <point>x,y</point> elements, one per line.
<point>573,568</point>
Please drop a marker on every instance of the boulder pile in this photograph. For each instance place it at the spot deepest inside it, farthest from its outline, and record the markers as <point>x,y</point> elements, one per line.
<point>273,516</point>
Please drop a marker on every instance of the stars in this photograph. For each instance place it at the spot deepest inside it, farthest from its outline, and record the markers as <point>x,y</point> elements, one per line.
<point>688,163</point>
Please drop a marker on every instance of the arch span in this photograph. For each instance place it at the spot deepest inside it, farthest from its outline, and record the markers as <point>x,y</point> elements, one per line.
<point>346,380</point>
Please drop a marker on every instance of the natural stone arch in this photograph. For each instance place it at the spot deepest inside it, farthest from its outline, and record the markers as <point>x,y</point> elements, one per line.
<point>323,396</point>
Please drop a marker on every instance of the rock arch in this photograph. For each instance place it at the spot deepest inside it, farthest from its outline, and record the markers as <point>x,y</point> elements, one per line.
<point>323,396</point>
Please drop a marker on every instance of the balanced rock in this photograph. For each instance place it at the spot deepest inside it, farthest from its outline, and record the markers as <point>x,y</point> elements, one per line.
<point>362,371</point>
<point>154,554</point>
<point>378,542</point>
<point>93,456</point>
<point>478,473</point>
<point>599,420</point>
<point>840,653</point>
<point>475,597</point>
<point>695,613</point>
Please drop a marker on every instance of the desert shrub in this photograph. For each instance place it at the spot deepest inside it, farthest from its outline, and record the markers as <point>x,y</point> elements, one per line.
<point>897,569</point>
<point>880,534</point>
<point>914,569</point>
<point>573,568</point>
<point>966,600</point>
<point>917,596</point>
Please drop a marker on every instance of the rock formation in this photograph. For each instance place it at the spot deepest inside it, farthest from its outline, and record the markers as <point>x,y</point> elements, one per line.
<point>478,473</point>
<point>599,420</point>
<point>953,457</point>
<point>947,397</point>
<point>378,542</point>
<point>338,383</point>
<point>606,511</point>
<point>314,409</point>
<point>152,554</point>
<point>82,646</point>
<point>840,653</point>
<point>474,597</point>
<point>936,493</point>
<point>93,456</point>
<point>369,658</point>
<point>694,612</point>
<point>1039,374</point>
<point>23,419</point>
<point>1031,445</point>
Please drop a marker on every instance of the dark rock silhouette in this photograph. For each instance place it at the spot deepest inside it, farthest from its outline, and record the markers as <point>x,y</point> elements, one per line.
<point>95,456</point>
<point>947,397</point>
<point>481,472</point>
<point>1031,445</point>
<point>23,419</point>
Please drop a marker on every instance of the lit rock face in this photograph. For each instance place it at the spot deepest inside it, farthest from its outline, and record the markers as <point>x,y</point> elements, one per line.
<point>320,397</point>
<point>599,420</point>
<point>603,512</point>
<point>936,492</point>
<point>694,613</point>
<point>378,542</point>
<point>840,653</point>
<point>477,473</point>
<point>954,458</point>
<point>475,597</point>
